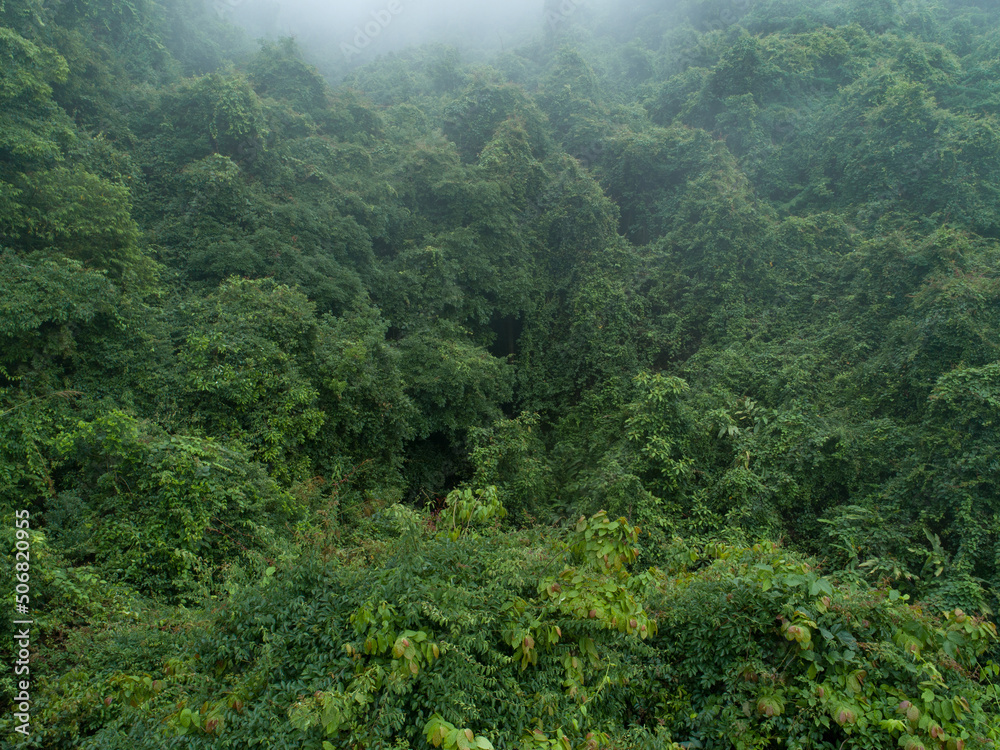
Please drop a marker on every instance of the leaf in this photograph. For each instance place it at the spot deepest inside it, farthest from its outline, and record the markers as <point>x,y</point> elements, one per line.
<point>821,586</point>
<point>847,639</point>
<point>439,735</point>
<point>945,710</point>
<point>484,744</point>
<point>794,579</point>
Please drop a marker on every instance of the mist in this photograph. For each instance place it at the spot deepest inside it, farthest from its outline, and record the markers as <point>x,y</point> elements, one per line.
<point>342,35</point>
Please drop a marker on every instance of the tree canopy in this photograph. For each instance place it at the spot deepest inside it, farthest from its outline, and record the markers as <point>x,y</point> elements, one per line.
<point>635,387</point>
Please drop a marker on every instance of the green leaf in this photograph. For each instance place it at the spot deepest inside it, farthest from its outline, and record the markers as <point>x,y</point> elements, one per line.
<point>821,586</point>
<point>794,579</point>
<point>847,639</point>
<point>945,710</point>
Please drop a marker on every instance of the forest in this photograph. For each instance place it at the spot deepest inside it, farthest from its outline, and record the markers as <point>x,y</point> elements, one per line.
<point>633,385</point>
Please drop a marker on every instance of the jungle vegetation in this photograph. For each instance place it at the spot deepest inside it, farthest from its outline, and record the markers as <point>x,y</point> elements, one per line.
<point>637,387</point>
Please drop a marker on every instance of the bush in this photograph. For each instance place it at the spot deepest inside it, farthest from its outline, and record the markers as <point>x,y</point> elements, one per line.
<point>442,631</point>
<point>161,512</point>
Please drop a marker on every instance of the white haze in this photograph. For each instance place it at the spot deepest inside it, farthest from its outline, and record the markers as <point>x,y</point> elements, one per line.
<point>357,31</point>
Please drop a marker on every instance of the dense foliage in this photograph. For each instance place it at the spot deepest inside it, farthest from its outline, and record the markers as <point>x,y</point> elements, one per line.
<point>637,388</point>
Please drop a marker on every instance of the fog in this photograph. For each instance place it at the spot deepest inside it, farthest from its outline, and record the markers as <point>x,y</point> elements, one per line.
<point>347,33</point>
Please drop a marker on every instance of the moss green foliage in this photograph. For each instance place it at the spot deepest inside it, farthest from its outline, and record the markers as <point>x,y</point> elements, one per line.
<point>638,387</point>
<point>443,629</point>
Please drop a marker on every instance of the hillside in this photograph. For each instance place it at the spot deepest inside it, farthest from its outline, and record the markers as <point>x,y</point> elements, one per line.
<point>637,386</point>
